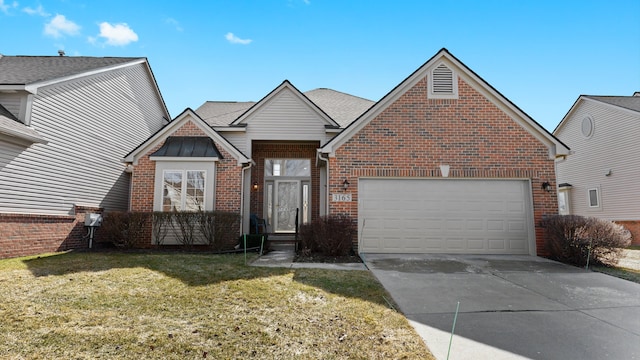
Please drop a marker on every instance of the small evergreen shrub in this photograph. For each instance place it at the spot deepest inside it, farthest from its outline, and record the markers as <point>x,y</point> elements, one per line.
<point>573,239</point>
<point>329,235</point>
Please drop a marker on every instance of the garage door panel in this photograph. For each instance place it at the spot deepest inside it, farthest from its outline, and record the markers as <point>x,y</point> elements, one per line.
<point>445,215</point>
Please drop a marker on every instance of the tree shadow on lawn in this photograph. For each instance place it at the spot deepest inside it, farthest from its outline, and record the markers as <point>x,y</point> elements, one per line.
<point>197,269</point>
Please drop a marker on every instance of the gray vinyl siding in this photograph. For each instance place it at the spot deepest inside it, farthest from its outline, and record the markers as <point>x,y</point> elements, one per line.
<point>90,124</point>
<point>614,145</point>
<point>285,117</point>
<point>15,103</point>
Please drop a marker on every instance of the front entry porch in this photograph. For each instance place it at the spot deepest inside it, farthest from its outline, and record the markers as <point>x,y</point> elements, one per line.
<point>285,187</point>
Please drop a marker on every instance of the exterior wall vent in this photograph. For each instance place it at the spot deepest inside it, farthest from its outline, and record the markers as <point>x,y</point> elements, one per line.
<point>443,83</point>
<point>442,80</point>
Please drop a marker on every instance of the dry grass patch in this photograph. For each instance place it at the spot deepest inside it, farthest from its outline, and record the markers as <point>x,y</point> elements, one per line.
<point>181,306</point>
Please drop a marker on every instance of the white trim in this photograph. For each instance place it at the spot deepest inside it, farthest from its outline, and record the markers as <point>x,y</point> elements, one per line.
<point>210,174</point>
<point>598,198</point>
<point>454,84</point>
<point>170,128</point>
<point>274,93</point>
<point>556,148</point>
<point>33,87</point>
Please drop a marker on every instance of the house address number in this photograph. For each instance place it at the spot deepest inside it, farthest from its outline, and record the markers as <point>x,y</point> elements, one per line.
<point>340,197</point>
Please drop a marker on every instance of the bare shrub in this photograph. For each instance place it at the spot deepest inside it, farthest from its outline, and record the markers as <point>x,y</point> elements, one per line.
<point>161,222</point>
<point>329,235</point>
<point>576,239</point>
<point>218,227</point>
<point>185,225</point>
<point>124,229</point>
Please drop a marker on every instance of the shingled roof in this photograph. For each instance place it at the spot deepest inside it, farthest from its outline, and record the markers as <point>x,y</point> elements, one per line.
<point>22,70</point>
<point>341,107</point>
<point>627,102</point>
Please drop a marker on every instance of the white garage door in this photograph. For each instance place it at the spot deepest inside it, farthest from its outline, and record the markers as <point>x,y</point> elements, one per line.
<point>445,216</point>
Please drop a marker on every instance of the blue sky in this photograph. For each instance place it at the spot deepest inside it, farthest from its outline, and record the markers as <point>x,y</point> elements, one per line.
<point>540,54</point>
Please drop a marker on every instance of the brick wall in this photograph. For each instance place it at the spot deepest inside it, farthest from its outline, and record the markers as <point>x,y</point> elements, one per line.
<point>30,234</point>
<point>228,181</point>
<point>634,227</point>
<point>284,150</point>
<point>414,135</point>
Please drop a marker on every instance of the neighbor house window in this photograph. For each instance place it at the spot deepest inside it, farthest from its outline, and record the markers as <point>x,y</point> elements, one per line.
<point>594,197</point>
<point>183,190</point>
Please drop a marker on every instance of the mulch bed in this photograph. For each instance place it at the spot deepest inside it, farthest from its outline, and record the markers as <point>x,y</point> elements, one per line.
<point>319,258</point>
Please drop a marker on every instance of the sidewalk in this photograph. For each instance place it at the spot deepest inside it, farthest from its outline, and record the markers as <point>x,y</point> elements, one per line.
<point>284,259</point>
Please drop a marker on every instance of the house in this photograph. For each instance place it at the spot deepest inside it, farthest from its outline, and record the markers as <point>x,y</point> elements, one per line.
<point>64,124</point>
<point>600,178</point>
<point>443,163</point>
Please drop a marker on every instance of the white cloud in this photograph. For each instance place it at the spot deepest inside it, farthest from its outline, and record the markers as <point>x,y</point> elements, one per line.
<point>236,40</point>
<point>117,34</point>
<point>60,26</point>
<point>37,11</point>
<point>6,7</point>
<point>175,23</point>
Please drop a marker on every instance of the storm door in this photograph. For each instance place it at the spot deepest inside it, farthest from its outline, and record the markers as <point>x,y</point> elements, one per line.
<point>287,193</point>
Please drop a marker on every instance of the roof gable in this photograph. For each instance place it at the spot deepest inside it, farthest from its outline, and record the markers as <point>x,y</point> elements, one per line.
<point>164,133</point>
<point>443,57</point>
<point>284,88</point>
<point>623,103</point>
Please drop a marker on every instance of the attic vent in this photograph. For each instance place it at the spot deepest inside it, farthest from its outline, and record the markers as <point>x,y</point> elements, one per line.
<point>442,80</point>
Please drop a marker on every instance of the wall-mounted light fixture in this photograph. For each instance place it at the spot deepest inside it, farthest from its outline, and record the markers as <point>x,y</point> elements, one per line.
<point>345,184</point>
<point>546,186</point>
<point>255,185</point>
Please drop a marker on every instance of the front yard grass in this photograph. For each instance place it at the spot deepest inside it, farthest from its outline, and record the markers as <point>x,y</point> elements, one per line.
<point>628,268</point>
<point>193,306</point>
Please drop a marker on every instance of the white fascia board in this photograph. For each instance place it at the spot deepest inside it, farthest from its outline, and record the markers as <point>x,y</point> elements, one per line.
<point>173,126</point>
<point>230,129</point>
<point>19,138</point>
<point>33,87</point>
<point>12,88</point>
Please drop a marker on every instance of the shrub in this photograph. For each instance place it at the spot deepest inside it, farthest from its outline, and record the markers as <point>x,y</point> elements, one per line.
<point>160,226</point>
<point>219,228</point>
<point>575,239</point>
<point>124,229</point>
<point>329,235</point>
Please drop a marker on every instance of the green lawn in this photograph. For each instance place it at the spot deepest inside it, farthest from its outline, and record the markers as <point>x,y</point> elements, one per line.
<point>193,306</point>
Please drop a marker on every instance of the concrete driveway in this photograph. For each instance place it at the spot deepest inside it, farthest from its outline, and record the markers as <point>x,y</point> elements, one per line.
<point>512,307</point>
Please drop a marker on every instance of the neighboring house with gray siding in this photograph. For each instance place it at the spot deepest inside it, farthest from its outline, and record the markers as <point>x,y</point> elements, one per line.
<point>600,178</point>
<point>64,124</point>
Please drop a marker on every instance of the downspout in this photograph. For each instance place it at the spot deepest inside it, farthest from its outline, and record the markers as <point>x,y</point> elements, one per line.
<point>250,163</point>
<point>326,204</point>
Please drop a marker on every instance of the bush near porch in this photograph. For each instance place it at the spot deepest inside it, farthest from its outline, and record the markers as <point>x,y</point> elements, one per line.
<point>330,235</point>
<point>576,240</point>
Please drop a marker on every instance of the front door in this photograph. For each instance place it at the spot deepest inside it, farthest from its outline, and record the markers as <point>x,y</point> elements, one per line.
<point>287,193</point>
<point>287,205</point>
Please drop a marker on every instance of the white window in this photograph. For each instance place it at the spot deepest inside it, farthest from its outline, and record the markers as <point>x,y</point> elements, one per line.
<point>184,186</point>
<point>594,197</point>
<point>183,190</point>
<point>563,202</point>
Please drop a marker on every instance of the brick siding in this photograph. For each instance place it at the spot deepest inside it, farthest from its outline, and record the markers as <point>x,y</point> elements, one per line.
<point>227,187</point>
<point>634,227</point>
<point>284,150</point>
<point>31,234</point>
<point>414,135</point>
